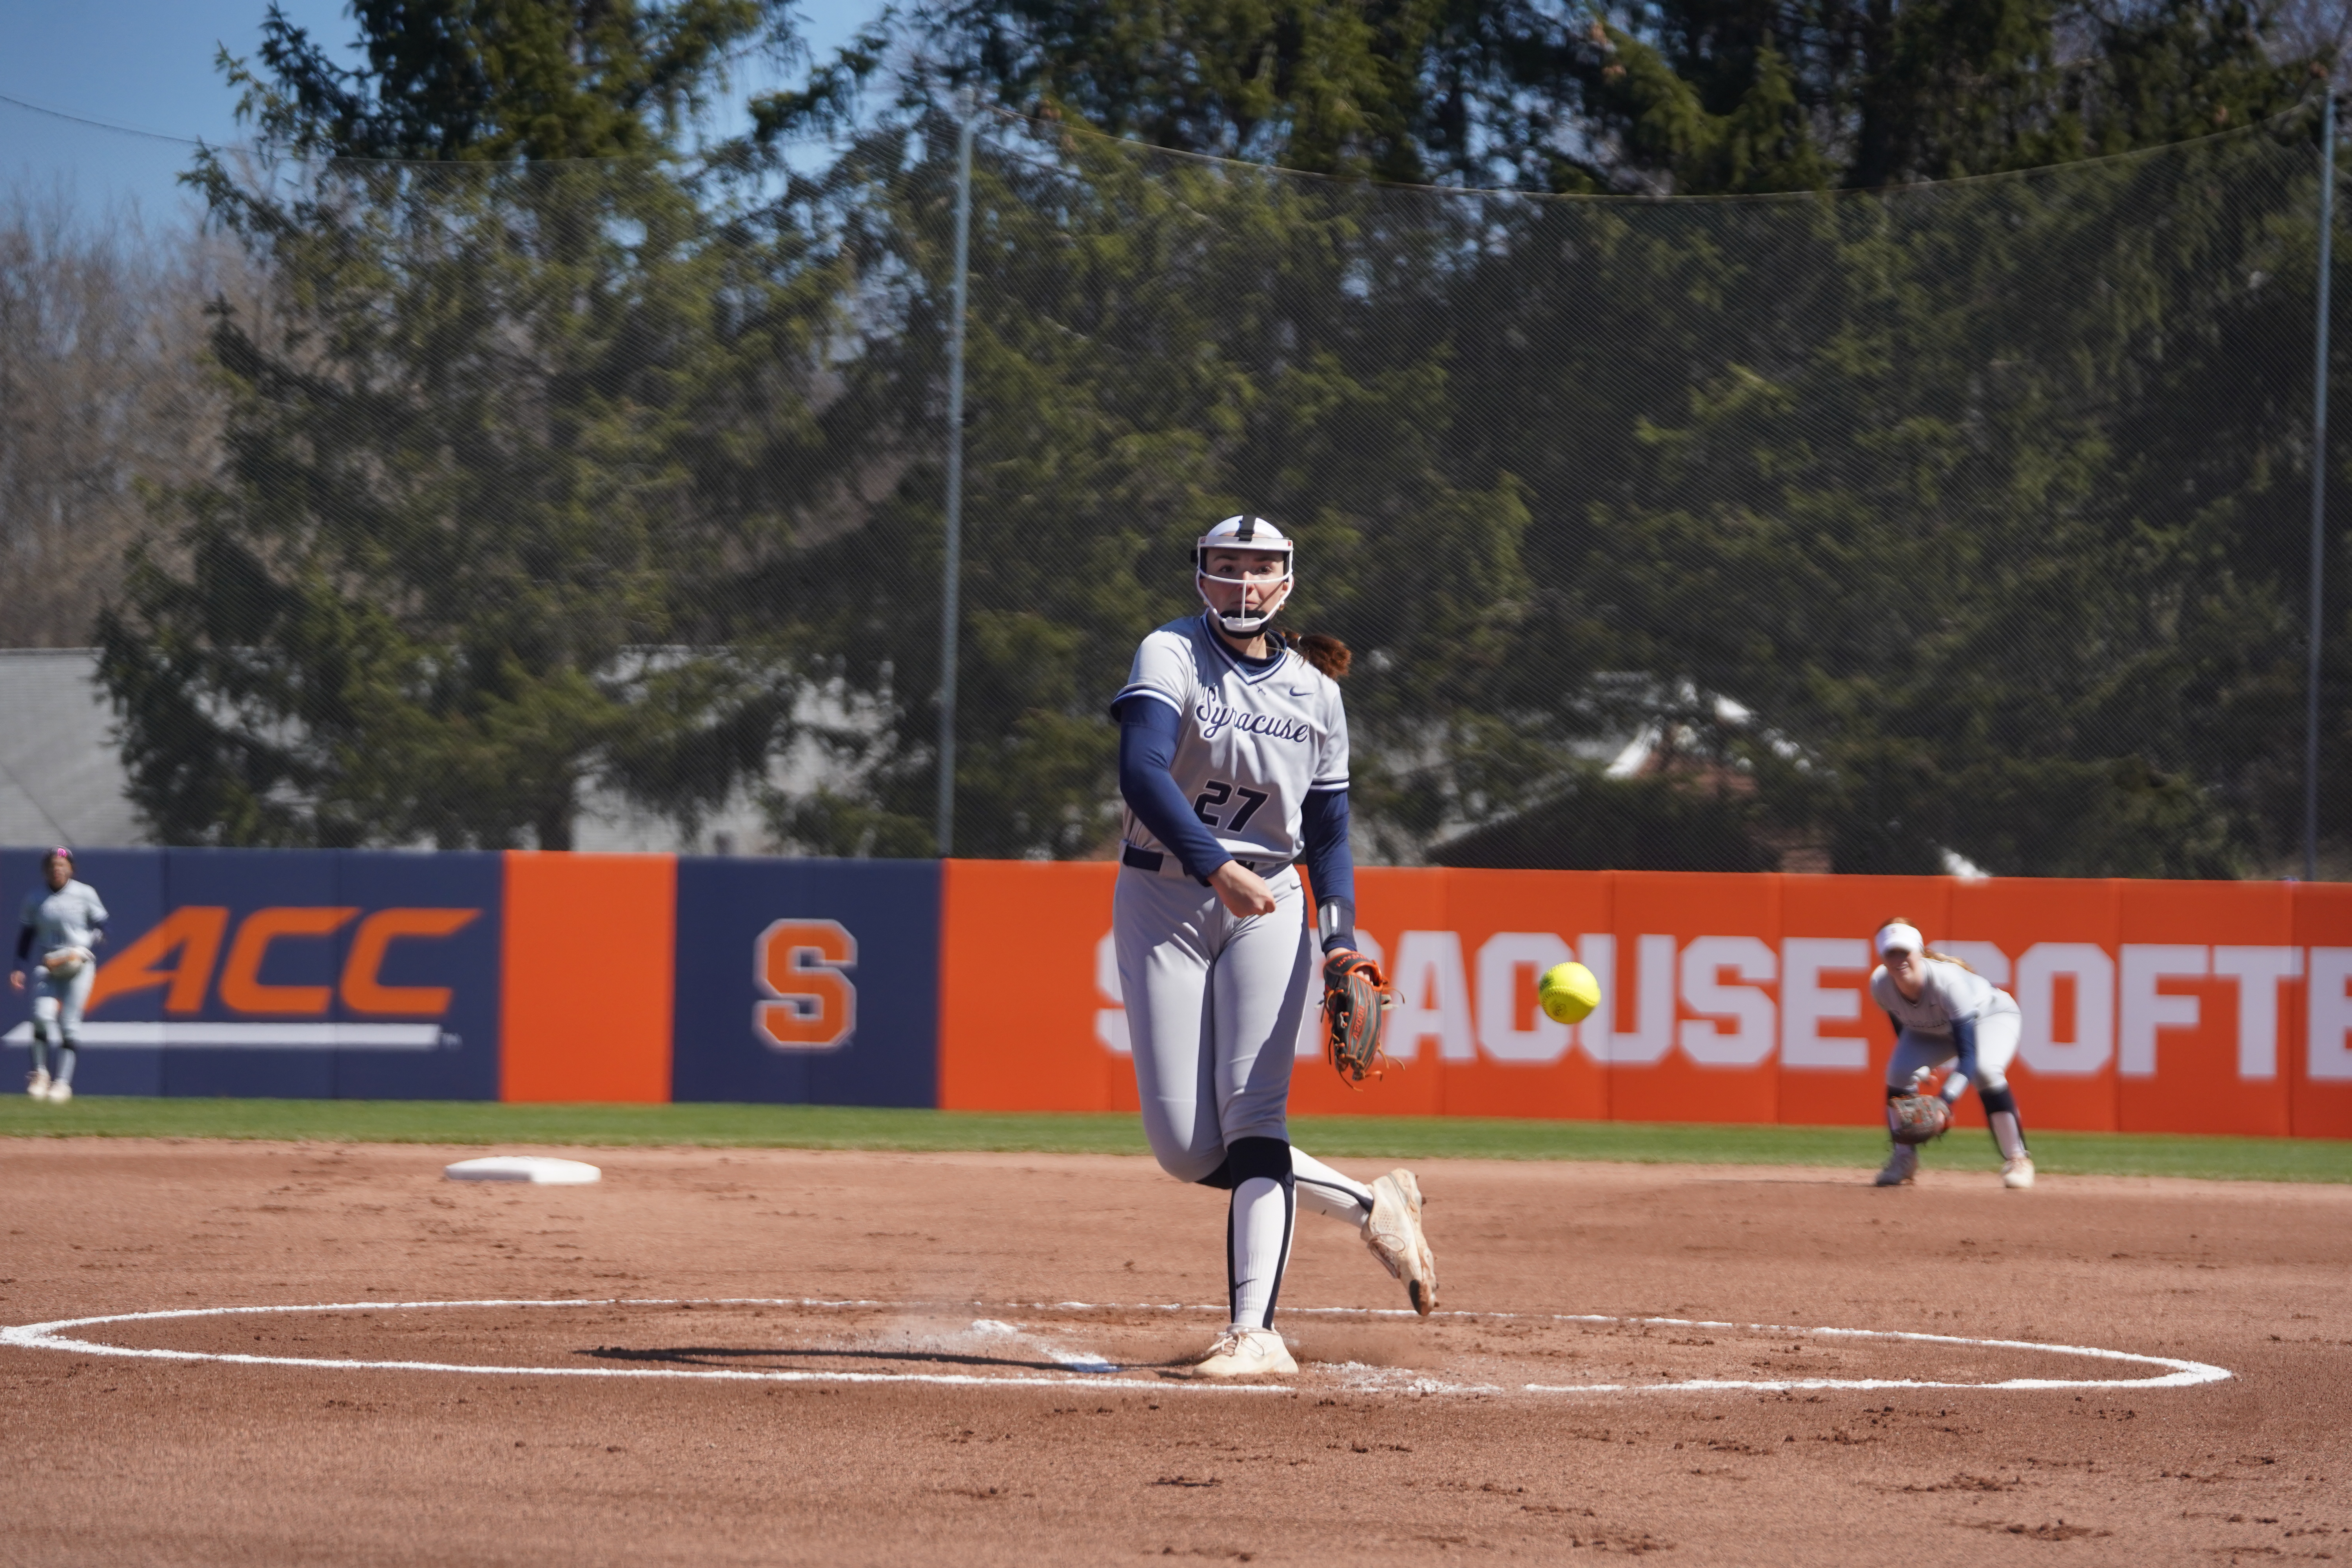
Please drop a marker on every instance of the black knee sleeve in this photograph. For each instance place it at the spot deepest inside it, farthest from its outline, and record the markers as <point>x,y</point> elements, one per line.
<point>1248,1157</point>
<point>2001,1098</point>
<point>1267,1157</point>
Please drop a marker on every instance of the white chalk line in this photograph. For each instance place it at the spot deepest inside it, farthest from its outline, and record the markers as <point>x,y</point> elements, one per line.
<point>53,1336</point>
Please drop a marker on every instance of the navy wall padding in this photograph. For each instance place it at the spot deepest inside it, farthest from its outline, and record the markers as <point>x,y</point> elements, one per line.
<point>140,887</point>
<point>890,907</point>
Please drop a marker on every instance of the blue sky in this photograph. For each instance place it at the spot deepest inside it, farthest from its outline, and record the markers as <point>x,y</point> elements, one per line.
<point>148,65</point>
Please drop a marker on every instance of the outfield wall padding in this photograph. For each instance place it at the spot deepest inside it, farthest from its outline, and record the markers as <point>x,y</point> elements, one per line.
<point>322,973</point>
<point>988,985</point>
<point>589,955</point>
<point>2150,1006</point>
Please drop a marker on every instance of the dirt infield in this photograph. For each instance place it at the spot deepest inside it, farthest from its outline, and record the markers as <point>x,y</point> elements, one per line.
<point>775,1356</point>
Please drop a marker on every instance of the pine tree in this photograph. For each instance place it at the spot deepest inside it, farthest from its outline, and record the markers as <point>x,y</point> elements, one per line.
<point>490,447</point>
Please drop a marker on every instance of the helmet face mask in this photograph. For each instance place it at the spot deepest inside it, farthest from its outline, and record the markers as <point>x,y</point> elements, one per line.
<point>1233,547</point>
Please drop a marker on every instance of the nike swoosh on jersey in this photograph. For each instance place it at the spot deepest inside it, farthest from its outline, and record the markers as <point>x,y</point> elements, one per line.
<point>1300,690</point>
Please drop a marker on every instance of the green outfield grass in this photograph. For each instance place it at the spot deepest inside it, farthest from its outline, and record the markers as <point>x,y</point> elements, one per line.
<point>475,1124</point>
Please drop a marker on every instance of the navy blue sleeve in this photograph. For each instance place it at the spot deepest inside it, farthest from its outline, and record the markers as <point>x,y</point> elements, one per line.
<point>1330,865</point>
<point>24,944</point>
<point>1964,1036</point>
<point>1147,745</point>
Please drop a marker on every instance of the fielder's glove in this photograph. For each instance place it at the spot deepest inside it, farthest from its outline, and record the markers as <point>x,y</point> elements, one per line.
<point>1355,1015</point>
<point>1918,1118</point>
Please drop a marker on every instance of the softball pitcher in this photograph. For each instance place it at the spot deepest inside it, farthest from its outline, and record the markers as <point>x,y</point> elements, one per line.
<point>1945,1013</point>
<point>1232,762</point>
<point>64,924</point>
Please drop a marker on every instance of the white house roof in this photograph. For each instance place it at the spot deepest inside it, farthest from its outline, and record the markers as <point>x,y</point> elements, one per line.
<point>61,780</point>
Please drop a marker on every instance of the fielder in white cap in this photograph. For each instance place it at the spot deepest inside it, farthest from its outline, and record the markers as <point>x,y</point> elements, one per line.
<point>1233,761</point>
<point>1947,1015</point>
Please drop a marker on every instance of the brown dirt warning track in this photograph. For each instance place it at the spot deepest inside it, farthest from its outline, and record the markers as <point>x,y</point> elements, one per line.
<point>745,1356</point>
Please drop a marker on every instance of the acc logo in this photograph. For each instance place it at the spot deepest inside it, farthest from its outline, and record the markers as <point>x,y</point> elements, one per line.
<point>800,964</point>
<point>194,933</point>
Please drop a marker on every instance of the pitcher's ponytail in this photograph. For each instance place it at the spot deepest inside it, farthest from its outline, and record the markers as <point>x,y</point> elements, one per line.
<point>1323,651</point>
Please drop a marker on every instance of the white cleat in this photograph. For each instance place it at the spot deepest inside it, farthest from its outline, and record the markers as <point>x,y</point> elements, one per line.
<point>59,1094</point>
<point>1901,1167</point>
<point>2017,1174</point>
<point>1392,1230</point>
<point>1247,1353</point>
<point>36,1084</point>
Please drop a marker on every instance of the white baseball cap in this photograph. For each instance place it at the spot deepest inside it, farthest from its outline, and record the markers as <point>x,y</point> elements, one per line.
<point>1899,937</point>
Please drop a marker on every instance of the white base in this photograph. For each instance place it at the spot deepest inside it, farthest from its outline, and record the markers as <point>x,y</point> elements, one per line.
<point>535,1168</point>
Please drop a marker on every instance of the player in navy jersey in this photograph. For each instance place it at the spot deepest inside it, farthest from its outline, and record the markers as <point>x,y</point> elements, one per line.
<point>1233,766</point>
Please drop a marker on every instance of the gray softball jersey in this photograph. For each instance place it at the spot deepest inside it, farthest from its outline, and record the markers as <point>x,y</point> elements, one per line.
<point>1252,743</point>
<point>1946,992</point>
<point>69,917</point>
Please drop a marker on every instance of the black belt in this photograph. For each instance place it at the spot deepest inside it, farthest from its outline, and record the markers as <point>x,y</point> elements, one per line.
<point>1152,860</point>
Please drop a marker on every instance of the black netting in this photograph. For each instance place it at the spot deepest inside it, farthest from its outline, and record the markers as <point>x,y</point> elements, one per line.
<point>1825,531</point>
<point>505,504</point>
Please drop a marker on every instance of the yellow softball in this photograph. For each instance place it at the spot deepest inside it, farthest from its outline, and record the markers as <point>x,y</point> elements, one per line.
<point>1569,993</point>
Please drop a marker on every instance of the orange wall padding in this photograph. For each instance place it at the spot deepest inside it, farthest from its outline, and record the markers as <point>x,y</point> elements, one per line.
<point>1018,1000</point>
<point>587,1002</point>
<point>2151,1006</point>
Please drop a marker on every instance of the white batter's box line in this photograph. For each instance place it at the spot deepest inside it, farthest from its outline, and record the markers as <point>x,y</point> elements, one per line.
<point>170,1035</point>
<point>2179,1373</point>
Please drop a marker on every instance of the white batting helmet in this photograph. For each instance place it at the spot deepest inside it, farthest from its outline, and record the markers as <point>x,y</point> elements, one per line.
<point>1243,533</point>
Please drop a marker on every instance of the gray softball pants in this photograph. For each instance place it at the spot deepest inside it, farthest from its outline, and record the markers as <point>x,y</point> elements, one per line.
<point>1213,1006</point>
<point>58,1005</point>
<point>1917,1054</point>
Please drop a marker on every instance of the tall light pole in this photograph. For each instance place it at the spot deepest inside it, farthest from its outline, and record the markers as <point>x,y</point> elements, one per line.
<point>2318,485</point>
<point>951,616</point>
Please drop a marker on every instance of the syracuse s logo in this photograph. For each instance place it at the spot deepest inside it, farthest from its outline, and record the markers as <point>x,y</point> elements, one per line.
<point>801,966</point>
